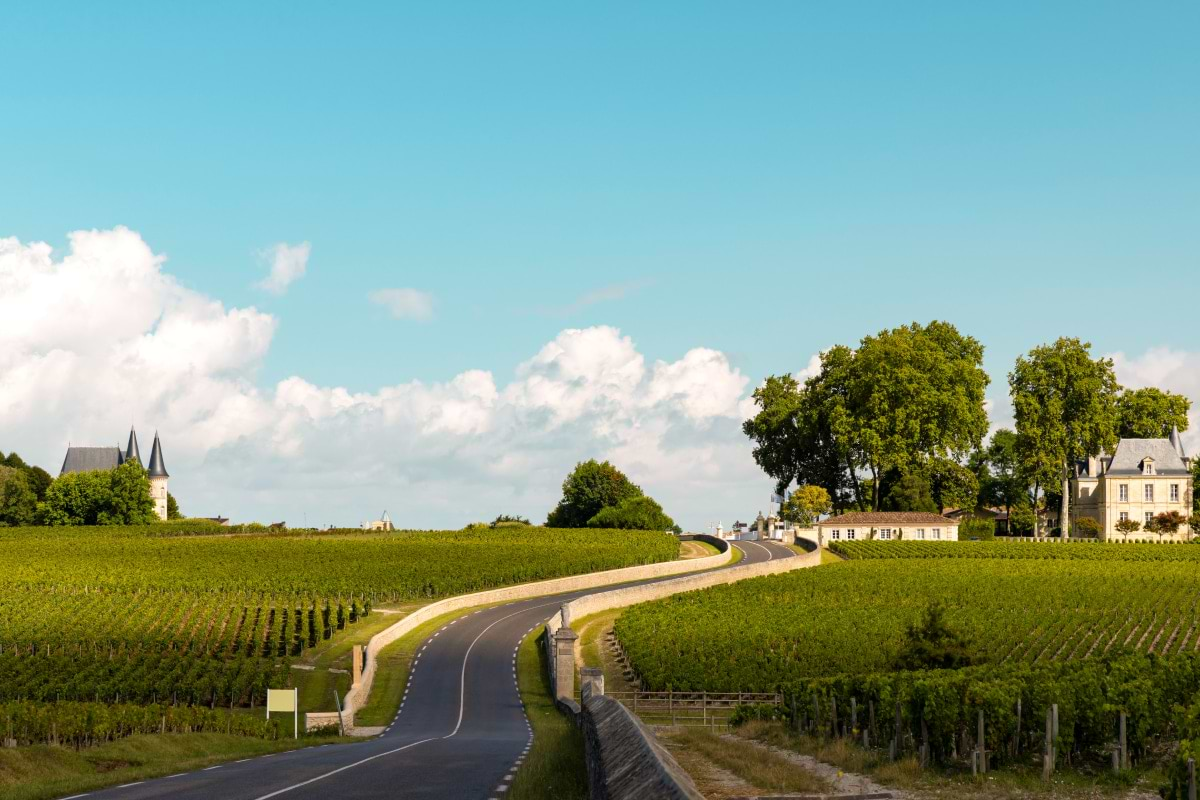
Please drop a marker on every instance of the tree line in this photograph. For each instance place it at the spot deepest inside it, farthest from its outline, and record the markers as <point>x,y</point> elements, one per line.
<point>899,424</point>
<point>118,496</point>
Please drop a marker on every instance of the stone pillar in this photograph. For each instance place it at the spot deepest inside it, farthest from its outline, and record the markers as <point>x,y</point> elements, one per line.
<point>356,666</point>
<point>564,663</point>
<point>591,682</point>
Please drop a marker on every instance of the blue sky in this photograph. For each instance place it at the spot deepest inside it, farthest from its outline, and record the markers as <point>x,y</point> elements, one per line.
<point>760,179</point>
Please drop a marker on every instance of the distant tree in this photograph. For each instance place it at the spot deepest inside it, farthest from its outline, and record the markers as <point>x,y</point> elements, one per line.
<point>173,507</point>
<point>75,498</point>
<point>591,486</point>
<point>1021,519</point>
<point>952,485</point>
<point>977,528</point>
<point>1150,413</point>
<point>910,493</point>
<point>1009,486</point>
<point>1088,527</point>
<point>806,505</point>
<point>129,500</point>
<point>1065,409</point>
<point>931,643</point>
<point>507,521</point>
<point>39,481</point>
<point>119,496</point>
<point>633,513</point>
<point>15,461</point>
<point>1166,523</point>
<point>18,500</point>
<point>1194,524</point>
<point>1127,526</point>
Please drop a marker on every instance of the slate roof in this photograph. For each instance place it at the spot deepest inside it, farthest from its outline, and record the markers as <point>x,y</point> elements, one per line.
<point>157,469</point>
<point>86,459</point>
<point>868,518</point>
<point>131,451</point>
<point>1131,452</point>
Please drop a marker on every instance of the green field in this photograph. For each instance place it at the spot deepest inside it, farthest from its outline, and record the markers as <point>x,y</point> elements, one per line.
<point>1094,628</point>
<point>93,620</point>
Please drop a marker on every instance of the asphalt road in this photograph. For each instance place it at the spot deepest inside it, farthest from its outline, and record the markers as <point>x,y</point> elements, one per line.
<point>461,733</point>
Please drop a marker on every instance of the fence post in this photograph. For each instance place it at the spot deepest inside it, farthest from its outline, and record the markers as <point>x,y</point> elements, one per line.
<point>924,741</point>
<point>704,707</point>
<point>897,740</point>
<point>1054,738</point>
<point>1048,753</point>
<point>816,712</point>
<point>1121,743</point>
<point>981,746</point>
<point>1017,746</point>
<point>833,711</point>
<point>1191,779</point>
<point>671,704</point>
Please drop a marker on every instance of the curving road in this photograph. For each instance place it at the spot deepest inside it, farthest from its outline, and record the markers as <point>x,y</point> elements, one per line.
<point>461,732</point>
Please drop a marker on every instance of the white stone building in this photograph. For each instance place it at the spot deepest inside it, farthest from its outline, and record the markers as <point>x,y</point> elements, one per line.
<point>1141,480</point>
<point>909,526</point>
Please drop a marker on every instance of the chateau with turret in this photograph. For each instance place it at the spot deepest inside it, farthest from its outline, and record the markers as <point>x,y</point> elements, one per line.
<point>86,459</point>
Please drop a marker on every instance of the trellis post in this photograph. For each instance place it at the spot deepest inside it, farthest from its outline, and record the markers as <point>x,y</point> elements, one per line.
<point>1121,743</point>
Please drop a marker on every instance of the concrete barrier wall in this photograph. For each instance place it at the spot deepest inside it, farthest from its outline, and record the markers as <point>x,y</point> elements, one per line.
<point>632,595</point>
<point>356,698</point>
<point>624,762</point>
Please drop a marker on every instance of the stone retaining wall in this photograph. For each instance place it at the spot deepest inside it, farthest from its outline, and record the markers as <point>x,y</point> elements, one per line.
<point>624,761</point>
<point>356,698</point>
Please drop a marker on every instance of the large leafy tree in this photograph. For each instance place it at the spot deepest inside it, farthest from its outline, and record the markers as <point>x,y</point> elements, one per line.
<point>906,396</point>
<point>1064,402</point>
<point>591,486</point>
<point>173,511</point>
<point>1150,413</point>
<point>804,433</point>
<point>916,393</point>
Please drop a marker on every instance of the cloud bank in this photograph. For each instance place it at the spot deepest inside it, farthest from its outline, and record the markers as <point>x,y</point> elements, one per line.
<point>104,337</point>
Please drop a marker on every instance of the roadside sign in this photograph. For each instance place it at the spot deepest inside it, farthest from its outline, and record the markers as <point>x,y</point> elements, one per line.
<point>285,700</point>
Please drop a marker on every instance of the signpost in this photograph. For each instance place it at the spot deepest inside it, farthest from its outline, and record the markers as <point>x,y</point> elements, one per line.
<point>285,700</point>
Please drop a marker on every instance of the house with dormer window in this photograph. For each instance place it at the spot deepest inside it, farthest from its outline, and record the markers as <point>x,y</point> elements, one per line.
<point>1142,479</point>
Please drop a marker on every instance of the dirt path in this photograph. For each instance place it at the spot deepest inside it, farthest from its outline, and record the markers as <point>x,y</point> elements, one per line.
<point>843,782</point>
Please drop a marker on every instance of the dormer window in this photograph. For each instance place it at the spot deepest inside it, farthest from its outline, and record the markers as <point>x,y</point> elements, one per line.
<point>1148,466</point>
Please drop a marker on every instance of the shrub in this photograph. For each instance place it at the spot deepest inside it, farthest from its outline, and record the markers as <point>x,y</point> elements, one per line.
<point>1088,528</point>
<point>975,528</point>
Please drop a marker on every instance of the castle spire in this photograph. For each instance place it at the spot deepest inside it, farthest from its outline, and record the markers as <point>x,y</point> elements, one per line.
<point>157,468</point>
<point>132,452</point>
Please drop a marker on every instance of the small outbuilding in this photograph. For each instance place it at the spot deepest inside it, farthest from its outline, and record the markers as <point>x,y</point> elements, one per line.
<point>909,526</point>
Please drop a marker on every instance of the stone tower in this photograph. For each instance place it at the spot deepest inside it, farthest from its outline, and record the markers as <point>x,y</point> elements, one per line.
<point>157,471</point>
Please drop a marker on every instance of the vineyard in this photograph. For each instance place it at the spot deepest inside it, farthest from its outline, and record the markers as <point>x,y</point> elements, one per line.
<point>1092,628</point>
<point>91,617</point>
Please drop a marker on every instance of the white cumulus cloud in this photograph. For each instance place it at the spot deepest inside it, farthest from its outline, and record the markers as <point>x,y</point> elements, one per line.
<point>1168,369</point>
<point>103,337</point>
<point>288,265</point>
<point>404,303</point>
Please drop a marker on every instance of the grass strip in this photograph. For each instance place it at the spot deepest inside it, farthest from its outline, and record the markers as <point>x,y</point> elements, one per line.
<point>45,771</point>
<point>554,768</point>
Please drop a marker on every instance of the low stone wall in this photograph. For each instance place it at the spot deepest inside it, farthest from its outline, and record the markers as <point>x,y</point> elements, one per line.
<point>356,698</point>
<point>321,719</point>
<point>624,762</point>
<point>632,595</point>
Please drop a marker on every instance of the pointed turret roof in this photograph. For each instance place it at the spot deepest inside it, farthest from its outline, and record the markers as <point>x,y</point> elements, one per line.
<point>1177,441</point>
<point>157,468</point>
<point>132,452</point>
